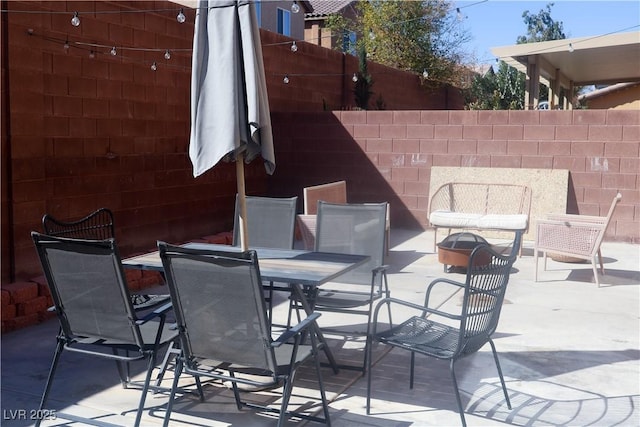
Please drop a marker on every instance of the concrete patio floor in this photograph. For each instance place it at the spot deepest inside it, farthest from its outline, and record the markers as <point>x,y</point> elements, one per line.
<point>570,354</point>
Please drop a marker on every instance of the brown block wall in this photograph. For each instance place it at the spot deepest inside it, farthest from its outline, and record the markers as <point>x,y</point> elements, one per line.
<point>81,132</point>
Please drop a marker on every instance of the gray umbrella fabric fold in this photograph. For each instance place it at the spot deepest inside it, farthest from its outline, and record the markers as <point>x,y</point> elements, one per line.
<point>229,103</point>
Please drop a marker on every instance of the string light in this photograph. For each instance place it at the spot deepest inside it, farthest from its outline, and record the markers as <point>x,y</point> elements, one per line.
<point>295,8</point>
<point>154,66</point>
<point>66,46</point>
<point>113,51</point>
<point>294,47</point>
<point>167,55</point>
<point>180,17</point>
<point>459,15</point>
<point>75,21</point>
<point>286,79</point>
<point>571,49</point>
<point>425,74</point>
<point>354,78</point>
<point>92,54</point>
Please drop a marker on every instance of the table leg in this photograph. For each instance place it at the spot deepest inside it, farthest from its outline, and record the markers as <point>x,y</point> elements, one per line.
<point>302,299</point>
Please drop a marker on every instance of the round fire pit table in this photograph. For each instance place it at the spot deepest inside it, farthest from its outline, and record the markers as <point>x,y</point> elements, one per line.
<point>456,249</point>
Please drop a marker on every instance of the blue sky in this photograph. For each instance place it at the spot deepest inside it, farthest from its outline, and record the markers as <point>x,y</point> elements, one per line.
<point>499,22</point>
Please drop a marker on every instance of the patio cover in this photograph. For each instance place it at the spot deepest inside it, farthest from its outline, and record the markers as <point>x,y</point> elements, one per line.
<point>606,59</point>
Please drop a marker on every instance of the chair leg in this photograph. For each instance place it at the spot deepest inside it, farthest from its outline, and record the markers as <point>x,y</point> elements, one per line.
<point>504,387</point>
<point>172,395</point>
<point>323,395</point>
<point>411,369</point>
<point>455,388</point>
<point>145,389</point>
<point>286,395</point>
<point>535,257</point>
<point>52,371</point>
<point>601,263</point>
<point>595,271</point>
<point>369,375</point>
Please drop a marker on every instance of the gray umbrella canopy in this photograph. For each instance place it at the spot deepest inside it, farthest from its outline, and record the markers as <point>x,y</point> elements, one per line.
<point>230,117</point>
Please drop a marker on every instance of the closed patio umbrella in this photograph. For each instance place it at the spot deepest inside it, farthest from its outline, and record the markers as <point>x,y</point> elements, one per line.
<point>230,118</point>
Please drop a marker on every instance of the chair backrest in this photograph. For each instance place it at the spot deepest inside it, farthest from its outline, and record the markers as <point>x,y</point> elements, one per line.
<point>332,192</point>
<point>97,225</point>
<point>88,288</point>
<point>270,222</point>
<point>219,306</point>
<point>486,283</point>
<point>353,229</point>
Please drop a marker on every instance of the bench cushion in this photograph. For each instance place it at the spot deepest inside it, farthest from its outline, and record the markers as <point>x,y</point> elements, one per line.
<point>443,218</point>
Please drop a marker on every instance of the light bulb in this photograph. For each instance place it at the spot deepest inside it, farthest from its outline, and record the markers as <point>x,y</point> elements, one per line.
<point>425,73</point>
<point>294,7</point>
<point>286,79</point>
<point>154,66</point>
<point>571,49</point>
<point>181,18</point>
<point>92,54</point>
<point>66,46</point>
<point>167,55</point>
<point>113,51</point>
<point>294,47</point>
<point>371,35</point>
<point>75,21</point>
<point>459,15</point>
<point>355,77</point>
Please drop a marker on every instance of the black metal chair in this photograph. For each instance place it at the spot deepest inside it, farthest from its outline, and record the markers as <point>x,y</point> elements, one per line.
<point>221,316</point>
<point>98,225</point>
<point>93,305</point>
<point>352,229</point>
<point>457,334</point>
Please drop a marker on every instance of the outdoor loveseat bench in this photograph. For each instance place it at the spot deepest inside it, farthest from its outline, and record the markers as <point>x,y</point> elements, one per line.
<point>480,206</point>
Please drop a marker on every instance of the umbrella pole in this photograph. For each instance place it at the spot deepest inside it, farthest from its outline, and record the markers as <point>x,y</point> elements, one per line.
<point>244,238</point>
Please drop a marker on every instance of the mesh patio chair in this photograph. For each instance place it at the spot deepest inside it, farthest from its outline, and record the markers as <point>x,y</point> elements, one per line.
<point>574,236</point>
<point>452,335</point>
<point>94,308</point>
<point>332,192</point>
<point>221,316</point>
<point>270,224</point>
<point>352,229</point>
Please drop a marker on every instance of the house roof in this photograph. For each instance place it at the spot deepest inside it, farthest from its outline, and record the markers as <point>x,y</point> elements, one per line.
<point>609,89</point>
<point>327,7</point>
<point>606,59</point>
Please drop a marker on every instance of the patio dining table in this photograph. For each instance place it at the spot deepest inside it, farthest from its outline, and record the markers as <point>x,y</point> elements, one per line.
<point>301,270</point>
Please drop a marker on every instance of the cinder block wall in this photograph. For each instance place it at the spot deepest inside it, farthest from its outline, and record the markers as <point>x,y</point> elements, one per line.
<point>388,155</point>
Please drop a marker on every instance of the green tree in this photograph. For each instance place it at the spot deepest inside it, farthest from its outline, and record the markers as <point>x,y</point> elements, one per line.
<point>541,27</point>
<point>505,88</point>
<point>407,35</point>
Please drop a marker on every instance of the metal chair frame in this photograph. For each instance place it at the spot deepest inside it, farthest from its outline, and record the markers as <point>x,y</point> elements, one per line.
<point>456,334</point>
<point>86,280</point>
<point>227,322</point>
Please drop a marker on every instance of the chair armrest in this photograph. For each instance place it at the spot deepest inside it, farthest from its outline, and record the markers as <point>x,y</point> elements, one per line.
<point>297,329</point>
<point>575,218</point>
<point>158,312</point>
<point>412,305</point>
